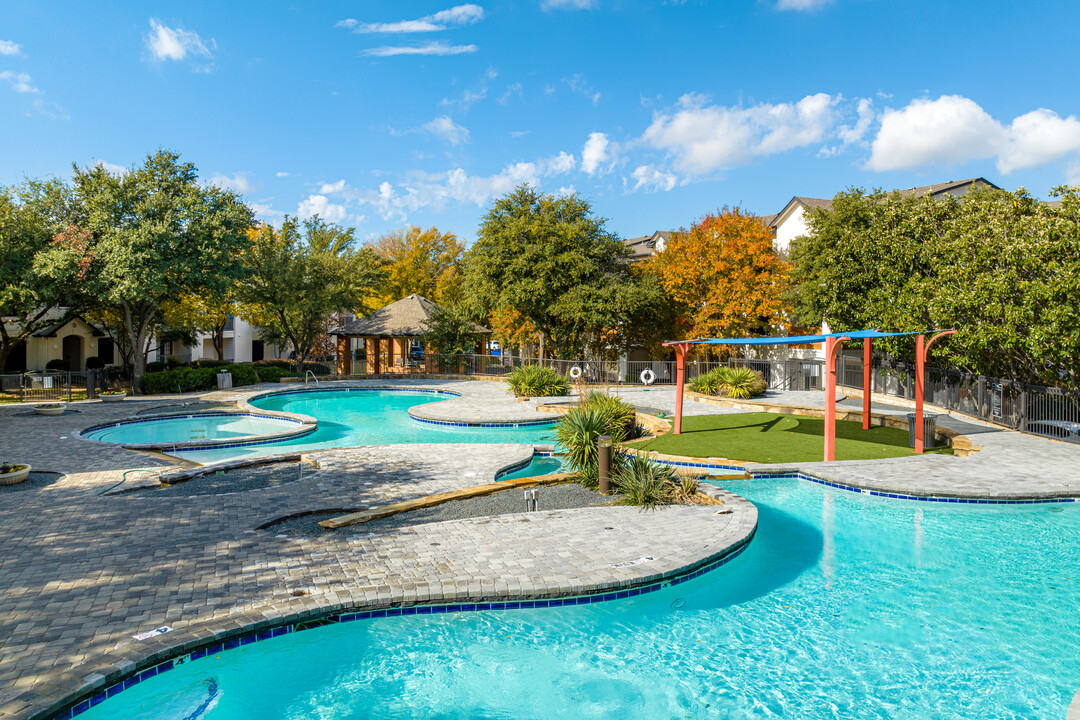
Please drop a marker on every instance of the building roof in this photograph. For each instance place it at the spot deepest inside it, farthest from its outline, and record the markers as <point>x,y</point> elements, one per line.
<point>52,330</point>
<point>407,317</point>
<point>643,247</point>
<point>944,188</point>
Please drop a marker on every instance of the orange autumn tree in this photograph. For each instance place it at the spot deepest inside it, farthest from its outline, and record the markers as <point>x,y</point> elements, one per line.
<point>727,275</point>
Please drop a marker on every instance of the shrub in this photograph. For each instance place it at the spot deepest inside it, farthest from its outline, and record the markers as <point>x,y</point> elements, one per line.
<point>194,379</point>
<point>57,364</point>
<point>642,482</point>
<point>736,382</point>
<point>537,381</point>
<point>94,363</point>
<point>290,367</point>
<point>207,363</point>
<point>580,428</point>
<point>269,373</point>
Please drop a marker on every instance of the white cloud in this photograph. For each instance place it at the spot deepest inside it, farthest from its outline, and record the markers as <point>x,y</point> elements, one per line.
<point>445,128</point>
<point>332,188</point>
<point>457,16</point>
<point>951,130</point>
<point>50,109</point>
<point>111,168</point>
<point>801,4</point>
<point>580,85</point>
<point>850,134</point>
<point>567,4</point>
<point>435,191</point>
<point>320,205</point>
<point>20,82</point>
<point>595,153</point>
<point>281,173</point>
<point>1039,137</point>
<point>651,179</point>
<point>566,190</point>
<point>431,48</point>
<point>167,43</point>
<point>7,47</point>
<point>704,138</point>
<point>238,182</point>
<point>511,90</point>
<point>1072,174</point>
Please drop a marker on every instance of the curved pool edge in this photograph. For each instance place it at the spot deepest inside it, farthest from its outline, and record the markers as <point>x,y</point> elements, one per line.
<point>305,426</point>
<point>86,686</point>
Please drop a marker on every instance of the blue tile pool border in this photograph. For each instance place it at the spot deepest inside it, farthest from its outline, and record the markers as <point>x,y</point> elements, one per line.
<point>489,424</point>
<point>904,496</point>
<point>246,638</point>
<point>162,418</point>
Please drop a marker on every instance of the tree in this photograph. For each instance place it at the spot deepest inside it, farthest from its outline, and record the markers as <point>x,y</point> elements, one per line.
<point>153,234</point>
<point>726,275</point>
<point>1000,267</point>
<point>552,261</point>
<point>450,333</point>
<point>35,294</point>
<point>300,275</point>
<point>418,261</point>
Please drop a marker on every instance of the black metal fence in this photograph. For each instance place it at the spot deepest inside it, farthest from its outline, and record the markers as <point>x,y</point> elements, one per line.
<point>44,386</point>
<point>1037,409</point>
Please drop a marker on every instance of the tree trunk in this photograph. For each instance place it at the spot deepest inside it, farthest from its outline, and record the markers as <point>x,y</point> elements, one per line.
<point>543,344</point>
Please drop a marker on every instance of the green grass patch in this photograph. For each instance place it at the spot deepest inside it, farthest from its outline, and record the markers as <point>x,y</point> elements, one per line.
<point>778,438</point>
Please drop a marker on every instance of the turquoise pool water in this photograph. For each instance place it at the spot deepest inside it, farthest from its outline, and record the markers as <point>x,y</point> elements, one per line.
<point>843,606</point>
<point>370,417</point>
<point>194,427</point>
<point>537,466</point>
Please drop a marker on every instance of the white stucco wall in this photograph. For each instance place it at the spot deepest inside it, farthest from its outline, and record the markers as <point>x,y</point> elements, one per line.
<point>792,227</point>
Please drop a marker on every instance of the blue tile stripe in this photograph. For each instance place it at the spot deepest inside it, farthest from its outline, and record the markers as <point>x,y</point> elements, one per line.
<point>903,496</point>
<point>712,466</point>
<point>506,424</point>
<point>160,418</point>
<point>422,391</point>
<point>330,619</point>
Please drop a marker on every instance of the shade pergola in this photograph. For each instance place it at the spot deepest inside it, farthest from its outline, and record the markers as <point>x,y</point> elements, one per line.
<point>833,343</point>
<point>388,333</point>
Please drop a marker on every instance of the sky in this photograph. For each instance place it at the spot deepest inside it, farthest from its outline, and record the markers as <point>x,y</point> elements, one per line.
<point>378,115</point>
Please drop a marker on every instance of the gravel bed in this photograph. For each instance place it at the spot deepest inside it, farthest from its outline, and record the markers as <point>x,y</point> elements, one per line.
<point>255,477</point>
<point>34,481</point>
<point>550,497</point>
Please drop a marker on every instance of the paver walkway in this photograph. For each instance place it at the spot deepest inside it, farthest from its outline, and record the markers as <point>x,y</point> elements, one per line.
<point>81,573</point>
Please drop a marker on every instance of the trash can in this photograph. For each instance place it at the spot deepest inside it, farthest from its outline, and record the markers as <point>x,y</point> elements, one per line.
<point>224,381</point>
<point>928,429</point>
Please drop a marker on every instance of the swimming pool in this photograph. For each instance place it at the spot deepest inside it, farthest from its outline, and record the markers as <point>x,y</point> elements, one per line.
<point>217,426</point>
<point>539,465</point>
<point>350,417</point>
<point>843,606</point>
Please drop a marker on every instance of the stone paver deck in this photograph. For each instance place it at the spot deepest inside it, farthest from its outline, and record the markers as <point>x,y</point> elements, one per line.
<point>80,573</point>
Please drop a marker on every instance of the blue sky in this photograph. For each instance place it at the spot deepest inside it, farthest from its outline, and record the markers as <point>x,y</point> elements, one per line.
<point>381,114</point>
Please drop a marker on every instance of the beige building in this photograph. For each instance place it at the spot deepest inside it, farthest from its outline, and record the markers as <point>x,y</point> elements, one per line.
<point>73,341</point>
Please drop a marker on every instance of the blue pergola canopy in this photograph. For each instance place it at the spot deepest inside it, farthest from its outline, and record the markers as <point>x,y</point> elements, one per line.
<point>798,339</point>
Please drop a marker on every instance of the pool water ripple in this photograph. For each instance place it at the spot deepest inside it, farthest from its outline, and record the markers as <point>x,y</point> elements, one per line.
<point>843,606</point>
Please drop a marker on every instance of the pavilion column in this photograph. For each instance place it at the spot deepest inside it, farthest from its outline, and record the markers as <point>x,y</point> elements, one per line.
<point>681,349</point>
<point>344,355</point>
<point>371,349</point>
<point>832,347</point>
<point>921,349</point>
<point>867,366</point>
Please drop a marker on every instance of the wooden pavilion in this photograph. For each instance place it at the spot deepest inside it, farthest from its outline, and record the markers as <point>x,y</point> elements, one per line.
<point>389,334</point>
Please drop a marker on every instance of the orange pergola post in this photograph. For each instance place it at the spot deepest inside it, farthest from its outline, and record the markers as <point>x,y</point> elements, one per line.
<point>681,349</point>
<point>867,361</point>
<point>921,349</point>
<point>832,346</point>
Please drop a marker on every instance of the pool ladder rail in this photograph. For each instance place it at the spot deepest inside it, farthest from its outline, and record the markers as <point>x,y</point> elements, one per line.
<point>312,374</point>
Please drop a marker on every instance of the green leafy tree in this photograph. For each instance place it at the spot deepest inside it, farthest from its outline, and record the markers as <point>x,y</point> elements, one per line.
<point>154,234</point>
<point>418,261</point>
<point>300,275</point>
<point>1000,267</point>
<point>550,260</point>
<point>450,333</point>
<point>35,293</point>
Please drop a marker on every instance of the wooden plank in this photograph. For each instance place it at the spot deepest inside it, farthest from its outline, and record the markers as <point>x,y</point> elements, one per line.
<point>364,516</point>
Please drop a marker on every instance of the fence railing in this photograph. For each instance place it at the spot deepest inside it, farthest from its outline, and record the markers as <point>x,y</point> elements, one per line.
<point>43,386</point>
<point>1037,409</point>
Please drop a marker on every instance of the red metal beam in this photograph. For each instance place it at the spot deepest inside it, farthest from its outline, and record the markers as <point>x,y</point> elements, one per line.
<point>832,347</point>
<point>921,349</point>
<point>681,349</point>
<point>867,362</point>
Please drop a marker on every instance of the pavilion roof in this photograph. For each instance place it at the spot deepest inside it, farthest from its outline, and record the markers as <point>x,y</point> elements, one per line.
<point>407,317</point>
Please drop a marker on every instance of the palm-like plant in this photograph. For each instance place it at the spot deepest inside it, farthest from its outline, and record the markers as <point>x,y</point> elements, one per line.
<point>642,482</point>
<point>537,381</point>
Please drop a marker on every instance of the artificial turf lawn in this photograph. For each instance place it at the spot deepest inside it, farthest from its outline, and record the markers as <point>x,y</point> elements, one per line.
<point>777,438</point>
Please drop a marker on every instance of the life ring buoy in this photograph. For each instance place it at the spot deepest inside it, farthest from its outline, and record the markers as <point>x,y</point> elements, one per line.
<point>575,372</point>
<point>648,376</point>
